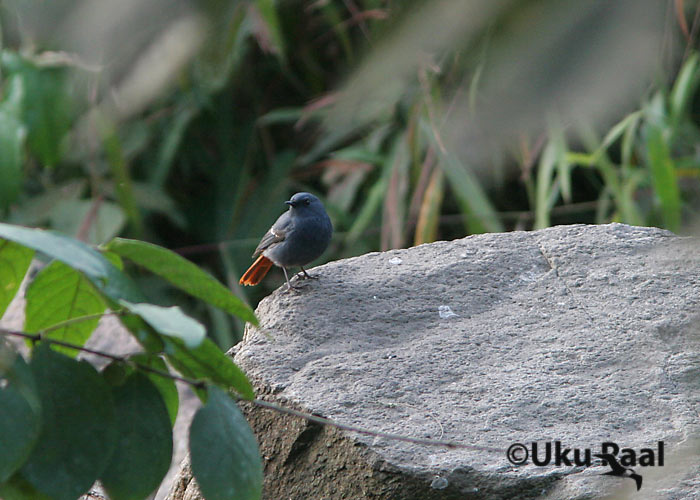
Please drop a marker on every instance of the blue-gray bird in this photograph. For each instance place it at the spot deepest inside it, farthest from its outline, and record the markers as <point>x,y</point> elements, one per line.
<point>300,235</point>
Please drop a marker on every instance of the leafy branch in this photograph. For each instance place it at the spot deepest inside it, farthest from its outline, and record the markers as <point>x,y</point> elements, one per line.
<point>40,337</point>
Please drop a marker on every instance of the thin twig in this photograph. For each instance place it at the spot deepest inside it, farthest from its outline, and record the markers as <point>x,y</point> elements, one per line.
<point>201,384</point>
<point>359,430</point>
<point>39,337</point>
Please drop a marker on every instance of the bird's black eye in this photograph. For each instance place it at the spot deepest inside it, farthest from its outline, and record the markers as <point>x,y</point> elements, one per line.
<point>307,202</point>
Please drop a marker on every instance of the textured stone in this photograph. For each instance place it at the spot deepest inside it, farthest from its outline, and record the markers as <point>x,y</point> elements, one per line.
<point>581,334</point>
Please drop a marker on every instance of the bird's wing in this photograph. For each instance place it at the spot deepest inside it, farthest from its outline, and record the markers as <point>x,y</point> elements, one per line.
<point>612,462</point>
<point>277,233</point>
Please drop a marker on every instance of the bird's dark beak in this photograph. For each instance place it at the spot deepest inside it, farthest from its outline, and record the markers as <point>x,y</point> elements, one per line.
<point>290,203</point>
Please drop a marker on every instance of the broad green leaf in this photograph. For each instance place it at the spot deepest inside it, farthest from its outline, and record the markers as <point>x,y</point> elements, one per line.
<point>14,262</point>
<point>166,386</point>
<point>143,333</point>
<point>20,417</point>
<point>145,443</point>
<point>208,362</point>
<point>12,137</point>
<point>183,274</point>
<point>78,433</point>
<point>170,321</point>
<point>57,294</point>
<point>106,278</point>
<point>114,259</point>
<point>224,452</point>
<point>663,179</point>
<point>46,105</point>
<point>116,372</point>
<point>106,222</point>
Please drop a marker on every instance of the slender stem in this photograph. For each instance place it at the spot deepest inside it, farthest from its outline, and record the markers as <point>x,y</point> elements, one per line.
<point>37,337</point>
<point>201,384</point>
<point>351,428</point>
<point>79,319</point>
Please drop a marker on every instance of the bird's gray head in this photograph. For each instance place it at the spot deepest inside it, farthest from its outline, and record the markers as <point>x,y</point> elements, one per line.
<point>304,201</point>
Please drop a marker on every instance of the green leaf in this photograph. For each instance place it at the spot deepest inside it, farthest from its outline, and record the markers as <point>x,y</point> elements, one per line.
<point>106,278</point>
<point>18,488</point>
<point>12,136</point>
<point>481,214</point>
<point>368,210</point>
<point>123,184</point>
<point>545,186</point>
<point>223,54</point>
<point>183,274</point>
<point>36,210</point>
<point>46,105</point>
<point>57,294</point>
<point>114,259</point>
<point>269,35</point>
<point>68,217</point>
<point>166,386</point>
<point>280,116</point>
<point>208,362</point>
<point>170,321</point>
<point>224,452</point>
<point>143,333</point>
<point>14,262</point>
<point>684,89</point>
<point>663,178</point>
<point>78,432</point>
<point>20,414</point>
<point>145,443</point>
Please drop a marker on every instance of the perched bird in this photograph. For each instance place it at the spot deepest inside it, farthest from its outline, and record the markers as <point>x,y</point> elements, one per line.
<point>620,470</point>
<point>300,235</point>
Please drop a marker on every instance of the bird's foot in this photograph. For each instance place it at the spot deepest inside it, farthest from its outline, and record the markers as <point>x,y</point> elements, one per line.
<point>303,275</point>
<point>293,289</point>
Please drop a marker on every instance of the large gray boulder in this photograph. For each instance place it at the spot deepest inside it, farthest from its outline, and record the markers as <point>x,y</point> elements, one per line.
<point>578,334</point>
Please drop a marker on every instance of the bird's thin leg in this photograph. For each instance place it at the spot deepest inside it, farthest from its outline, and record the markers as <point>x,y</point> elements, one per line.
<point>289,285</point>
<point>306,275</point>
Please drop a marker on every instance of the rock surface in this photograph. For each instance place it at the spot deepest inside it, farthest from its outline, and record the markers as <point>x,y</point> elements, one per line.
<point>579,334</point>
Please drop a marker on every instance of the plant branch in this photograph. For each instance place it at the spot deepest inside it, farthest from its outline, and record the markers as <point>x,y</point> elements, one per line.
<point>39,337</point>
<point>351,428</point>
<point>201,384</point>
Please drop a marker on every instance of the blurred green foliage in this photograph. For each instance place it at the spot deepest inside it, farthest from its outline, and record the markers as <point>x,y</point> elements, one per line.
<point>244,117</point>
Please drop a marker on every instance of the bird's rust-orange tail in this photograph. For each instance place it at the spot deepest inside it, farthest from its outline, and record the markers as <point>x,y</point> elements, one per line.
<point>256,272</point>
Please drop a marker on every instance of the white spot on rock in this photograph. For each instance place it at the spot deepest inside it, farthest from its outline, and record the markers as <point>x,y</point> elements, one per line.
<point>446,312</point>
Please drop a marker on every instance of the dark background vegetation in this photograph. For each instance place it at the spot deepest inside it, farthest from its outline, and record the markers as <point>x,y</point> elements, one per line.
<point>189,124</point>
